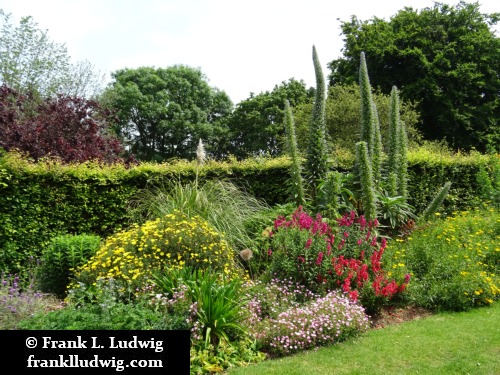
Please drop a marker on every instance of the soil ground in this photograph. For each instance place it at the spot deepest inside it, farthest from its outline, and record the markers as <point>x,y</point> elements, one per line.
<point>397,315</point>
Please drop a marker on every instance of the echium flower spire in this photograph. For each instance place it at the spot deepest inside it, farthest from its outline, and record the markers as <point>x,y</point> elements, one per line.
<point>367,115</point>
<point>317,157</point>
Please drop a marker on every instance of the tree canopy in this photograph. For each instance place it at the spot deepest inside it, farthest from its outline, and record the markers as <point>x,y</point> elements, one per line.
<point>343,117</point>
<point>163,112</point>
<point>256,125</point>
<point>445,58</point>
<point>70,128</point>
<point>31,62</point>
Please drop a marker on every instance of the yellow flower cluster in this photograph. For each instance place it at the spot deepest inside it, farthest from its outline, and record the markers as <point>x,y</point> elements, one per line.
<point>173,241</point>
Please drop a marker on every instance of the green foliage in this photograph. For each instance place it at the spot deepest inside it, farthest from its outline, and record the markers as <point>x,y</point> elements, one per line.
<point>29,60</point>
<point>155,131</point>
<point>367,130</point>
<point>94,199</point>
<point>172,241</point>
<point>239,354</point>
<point>343,118</point>
<point>394,211</point>
<point>368,198</point>
<point>488,180</point>
<point>432,55</point>
<point>256,124</point>
<point>377,147</point>
<point>402,169</point>
<point>64,254</point>
<point>107,313</point>
<point>436,202</point>
<point>454,262</point>
<point>296,183</point>
<point>393,151</point>
<point>316,155</point>
<point>217,303</point>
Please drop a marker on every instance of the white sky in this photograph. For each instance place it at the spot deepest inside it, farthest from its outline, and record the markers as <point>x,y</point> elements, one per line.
<point>241,46</point>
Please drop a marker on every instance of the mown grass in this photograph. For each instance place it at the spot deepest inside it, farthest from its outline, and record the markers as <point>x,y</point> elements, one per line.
<point>444,343</point>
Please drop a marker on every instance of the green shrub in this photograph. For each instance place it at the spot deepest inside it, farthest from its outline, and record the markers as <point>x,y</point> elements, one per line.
<point>60,257</point>
<point>172,241</point>
<point>94,317</point>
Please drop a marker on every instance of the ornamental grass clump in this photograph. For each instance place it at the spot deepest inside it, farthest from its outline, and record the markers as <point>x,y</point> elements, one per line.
<point>173,241</point>
<point>323,258</point>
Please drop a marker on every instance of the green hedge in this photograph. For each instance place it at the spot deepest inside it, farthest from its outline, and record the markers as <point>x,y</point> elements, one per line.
<point>40,201</point>
<point>43,200</point>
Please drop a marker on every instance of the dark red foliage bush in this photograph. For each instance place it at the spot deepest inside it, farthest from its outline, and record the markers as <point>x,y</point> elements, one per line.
<point>71,129</point>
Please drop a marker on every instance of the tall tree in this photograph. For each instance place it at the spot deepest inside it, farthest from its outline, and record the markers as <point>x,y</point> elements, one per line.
<point>164,112</point>
<point>446,58</point>
<point>31,62</point>
<point>256,125</point>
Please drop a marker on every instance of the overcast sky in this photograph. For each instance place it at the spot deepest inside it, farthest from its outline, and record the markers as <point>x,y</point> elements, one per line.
<point>241,46</point>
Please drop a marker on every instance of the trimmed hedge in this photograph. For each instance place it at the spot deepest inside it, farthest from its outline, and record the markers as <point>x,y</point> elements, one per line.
<point>39,201</point>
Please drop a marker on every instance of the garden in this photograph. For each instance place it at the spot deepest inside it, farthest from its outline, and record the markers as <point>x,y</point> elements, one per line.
<point>257,280</point>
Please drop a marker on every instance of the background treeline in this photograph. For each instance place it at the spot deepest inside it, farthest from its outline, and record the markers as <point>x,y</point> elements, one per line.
<point>444,60</point>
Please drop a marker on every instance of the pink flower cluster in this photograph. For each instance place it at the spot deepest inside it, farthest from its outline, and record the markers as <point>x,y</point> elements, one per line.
<point>346,257</point>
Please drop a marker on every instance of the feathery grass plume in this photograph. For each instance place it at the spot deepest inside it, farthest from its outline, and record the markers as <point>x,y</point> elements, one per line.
<point>393,153</point>
<point>366,176</point>
<point>297,187</point>
<point>402,175</point>
<point>201,156</point>
<point>367,115</point>
<point>317,158</point>
<point>377,147</point>
<point>434,205</point>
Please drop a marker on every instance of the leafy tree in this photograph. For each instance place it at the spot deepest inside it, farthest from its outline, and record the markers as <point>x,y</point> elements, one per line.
<point>31,62</point>
<point>343,118</point>
<point>256,125</point>
<point>445,58</point>
<point>70,128</point>
<point>162,113</point>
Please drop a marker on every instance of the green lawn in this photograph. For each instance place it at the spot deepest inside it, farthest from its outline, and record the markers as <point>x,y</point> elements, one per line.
<point>445,343</point>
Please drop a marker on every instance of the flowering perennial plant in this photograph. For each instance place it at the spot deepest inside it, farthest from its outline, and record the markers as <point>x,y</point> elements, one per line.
<point>324,258</point>
<point>173,241</point>
<point>455,262</point>
<point>292,326</point>
<point>17,303</point>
